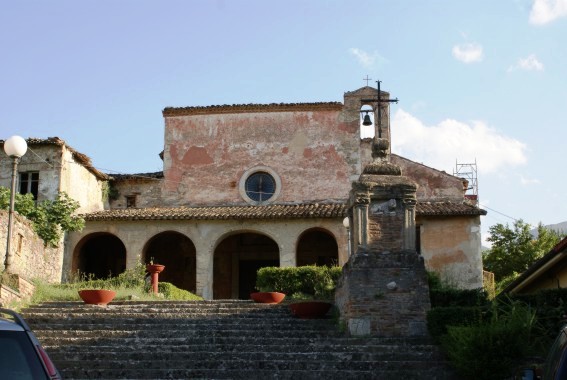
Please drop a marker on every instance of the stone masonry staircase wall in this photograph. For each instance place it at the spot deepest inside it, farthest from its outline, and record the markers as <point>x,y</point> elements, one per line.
<point>219,340</point>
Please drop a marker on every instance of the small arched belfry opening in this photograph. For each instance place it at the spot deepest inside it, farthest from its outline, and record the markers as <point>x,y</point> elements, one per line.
<point>237,259</point>
<point>99,255</point>
<point>367,122</point>
<point>177,252</point>
<point>317,247</point>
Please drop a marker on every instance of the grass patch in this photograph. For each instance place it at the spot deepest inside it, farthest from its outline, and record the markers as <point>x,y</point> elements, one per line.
<point>129,285</point>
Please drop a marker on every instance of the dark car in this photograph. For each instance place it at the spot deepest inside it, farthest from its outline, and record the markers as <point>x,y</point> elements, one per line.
<point>21,354</point>
<point>555,366</point>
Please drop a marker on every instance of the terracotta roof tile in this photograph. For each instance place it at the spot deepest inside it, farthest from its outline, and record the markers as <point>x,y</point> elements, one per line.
<point>252,108</point>
<point>445,208</point>
<point>295,211</point>
<point>138,176</point>
<point>81,158</point>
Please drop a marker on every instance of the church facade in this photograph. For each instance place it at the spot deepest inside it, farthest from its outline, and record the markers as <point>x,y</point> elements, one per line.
<point>247,186</point>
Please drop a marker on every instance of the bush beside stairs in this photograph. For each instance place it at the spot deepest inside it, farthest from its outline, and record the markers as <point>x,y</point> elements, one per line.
<point>227,339</point>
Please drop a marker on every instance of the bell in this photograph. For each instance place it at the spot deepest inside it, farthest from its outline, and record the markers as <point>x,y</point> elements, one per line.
<point>367,120</point>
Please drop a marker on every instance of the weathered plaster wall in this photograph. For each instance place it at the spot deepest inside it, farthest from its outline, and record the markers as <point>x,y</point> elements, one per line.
<point>30,258</point>
<point>451,247</point>
<point>80,184</point>
<point>58,171</point>
<point>44,159</point>
<point>206,235</point>
<point>316,155</point>
<point>432,183</point>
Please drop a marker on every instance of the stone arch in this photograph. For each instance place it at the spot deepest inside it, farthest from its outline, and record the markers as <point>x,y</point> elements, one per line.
<point>179,255</point>
<point>236,260</point>
<point>99,255</point>
<point>317,246</point>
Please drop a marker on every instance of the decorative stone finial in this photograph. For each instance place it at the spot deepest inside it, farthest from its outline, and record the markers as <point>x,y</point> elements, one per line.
<point>381,164</point>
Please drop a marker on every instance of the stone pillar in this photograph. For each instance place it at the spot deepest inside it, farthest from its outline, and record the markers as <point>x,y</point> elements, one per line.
<point>383,290</point>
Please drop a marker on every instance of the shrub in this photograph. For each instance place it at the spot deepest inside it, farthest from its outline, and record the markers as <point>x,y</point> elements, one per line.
<point>172,292</point>
<point>492,349</point>
<point>438,319</point>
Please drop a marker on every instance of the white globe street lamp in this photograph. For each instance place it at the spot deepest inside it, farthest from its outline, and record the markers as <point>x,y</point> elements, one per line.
<point>15,147</point>
<point>346,224</point>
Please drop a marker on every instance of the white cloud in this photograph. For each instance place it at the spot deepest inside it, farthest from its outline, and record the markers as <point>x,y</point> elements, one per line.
<point>442,145</point>
<point>528,181</point>
<point>366,59</point>
<point>468,52</point>
<point>545,11</point>
<point>530,63</point>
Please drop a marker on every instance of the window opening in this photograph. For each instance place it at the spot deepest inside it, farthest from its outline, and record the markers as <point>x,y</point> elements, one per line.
<point>29,183</point>
<point>130,201</point>
<point>260,186</point>
<point>367,115</point>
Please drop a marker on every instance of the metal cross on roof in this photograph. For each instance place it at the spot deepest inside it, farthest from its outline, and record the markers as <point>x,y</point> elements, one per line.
<point>367,79</point>
<point>378,100</point>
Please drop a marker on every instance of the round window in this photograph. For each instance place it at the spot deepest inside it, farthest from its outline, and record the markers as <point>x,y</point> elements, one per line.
<point>260,186</point>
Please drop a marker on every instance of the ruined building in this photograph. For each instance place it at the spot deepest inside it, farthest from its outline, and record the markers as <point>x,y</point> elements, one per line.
<point>247,186</point>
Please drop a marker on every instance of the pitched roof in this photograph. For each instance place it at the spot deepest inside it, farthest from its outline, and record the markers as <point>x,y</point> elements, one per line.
<point>274,211</point>
<point>138,176</point>
<point>77,156</point>
<point>252,108</point>
<point>533,272</point>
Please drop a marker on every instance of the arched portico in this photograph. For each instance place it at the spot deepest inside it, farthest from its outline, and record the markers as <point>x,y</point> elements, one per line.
<point>99,255</point>
<point>177,252</point>
<point>317,246</point>
<point>236,260</point>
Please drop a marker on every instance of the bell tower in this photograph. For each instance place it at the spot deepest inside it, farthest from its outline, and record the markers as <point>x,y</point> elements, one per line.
<point>383,290</point>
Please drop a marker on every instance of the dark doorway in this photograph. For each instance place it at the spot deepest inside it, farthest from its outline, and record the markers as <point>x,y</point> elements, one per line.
<point>177,252</point>
<point>236,262</point>
<point>317,247</point>
<point>100,256</point>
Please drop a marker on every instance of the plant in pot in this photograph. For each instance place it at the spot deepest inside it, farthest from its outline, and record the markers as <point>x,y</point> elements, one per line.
<point>94,293</point>
<point>268,292</point>
<point>315,292</point>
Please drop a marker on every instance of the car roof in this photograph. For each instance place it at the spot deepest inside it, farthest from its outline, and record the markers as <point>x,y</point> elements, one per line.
<point>7,325</point>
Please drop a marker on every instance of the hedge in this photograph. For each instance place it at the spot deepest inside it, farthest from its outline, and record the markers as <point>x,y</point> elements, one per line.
<point>317,282</point>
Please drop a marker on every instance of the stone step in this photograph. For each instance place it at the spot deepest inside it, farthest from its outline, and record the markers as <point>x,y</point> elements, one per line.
<point>235,341</point>
<point>274,364</point>
<point>433,373</point>
<point>377,352</point>
<point>188,334</point>
<point>219,340</point>
<point>187,325</point>
<point>240,355</point>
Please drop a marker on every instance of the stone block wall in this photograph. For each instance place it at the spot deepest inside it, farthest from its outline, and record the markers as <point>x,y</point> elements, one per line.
<point>9,295</point>
<point>30,258</point>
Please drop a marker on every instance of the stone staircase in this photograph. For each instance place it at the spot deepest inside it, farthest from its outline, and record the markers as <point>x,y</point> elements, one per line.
<point>219,340</point>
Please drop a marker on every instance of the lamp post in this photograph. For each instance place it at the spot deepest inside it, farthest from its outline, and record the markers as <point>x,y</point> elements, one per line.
<point>346,224</point>
<point>15,147</point>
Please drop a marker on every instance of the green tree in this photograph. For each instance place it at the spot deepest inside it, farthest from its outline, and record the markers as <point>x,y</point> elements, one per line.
<point>49,218</point>
<point>515,249</point>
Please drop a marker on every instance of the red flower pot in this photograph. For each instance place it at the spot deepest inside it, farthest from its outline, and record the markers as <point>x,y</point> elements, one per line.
<point>310,309</point>
<point>97,296</point>
<point>155,268</point>
<point>267,297</point>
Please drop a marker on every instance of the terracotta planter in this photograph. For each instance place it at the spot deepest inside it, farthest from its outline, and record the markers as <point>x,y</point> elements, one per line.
<point>155,268</point>
<point>97,296</point>
<point>267,297</point>
<point>310,309</point>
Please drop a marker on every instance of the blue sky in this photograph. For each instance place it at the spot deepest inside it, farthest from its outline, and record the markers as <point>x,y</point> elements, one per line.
<point>477,80</point>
